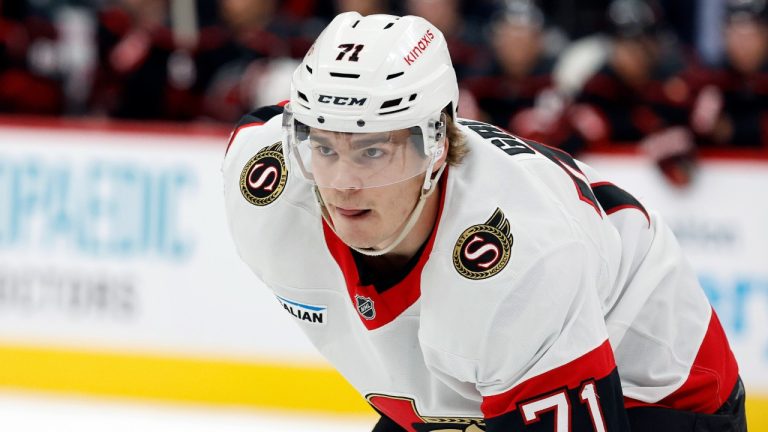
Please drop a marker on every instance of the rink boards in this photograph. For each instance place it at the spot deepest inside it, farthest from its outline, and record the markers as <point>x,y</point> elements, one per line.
<point>117,275</point>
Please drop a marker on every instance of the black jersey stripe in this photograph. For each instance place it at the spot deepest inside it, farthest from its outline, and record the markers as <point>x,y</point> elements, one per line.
<point>256,117</point>
<point>260,115</point>
<point>613,198</point>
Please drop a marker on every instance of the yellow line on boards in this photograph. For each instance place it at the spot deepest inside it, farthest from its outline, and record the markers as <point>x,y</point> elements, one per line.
<point>264,385</point>
<point>757,412</point>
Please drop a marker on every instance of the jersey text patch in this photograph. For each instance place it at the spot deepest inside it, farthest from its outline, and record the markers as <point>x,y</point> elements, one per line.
<point>312,314</point>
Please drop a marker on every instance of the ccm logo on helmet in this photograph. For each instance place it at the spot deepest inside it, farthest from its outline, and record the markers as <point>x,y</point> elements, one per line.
<point>416,51</point>
<point>341,100</point>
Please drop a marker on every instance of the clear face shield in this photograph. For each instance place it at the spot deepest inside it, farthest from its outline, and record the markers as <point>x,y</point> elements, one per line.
<point>343,160</point>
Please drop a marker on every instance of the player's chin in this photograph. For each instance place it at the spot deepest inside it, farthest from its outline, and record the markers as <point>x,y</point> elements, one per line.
<point>356,237</point>
<point>357,242</point>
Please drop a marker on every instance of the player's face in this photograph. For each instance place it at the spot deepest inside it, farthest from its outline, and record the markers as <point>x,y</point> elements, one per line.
<point>363,160</point>
<point>371,218</point>
<point>367,217</point>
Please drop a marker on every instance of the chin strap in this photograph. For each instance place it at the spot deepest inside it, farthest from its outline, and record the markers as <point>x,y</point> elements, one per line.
<point>407,226</point>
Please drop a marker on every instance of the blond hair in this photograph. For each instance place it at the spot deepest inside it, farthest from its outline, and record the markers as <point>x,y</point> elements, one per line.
<point>457,143</point>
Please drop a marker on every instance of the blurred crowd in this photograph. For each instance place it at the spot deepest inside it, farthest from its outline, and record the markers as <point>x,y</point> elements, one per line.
<point>670,77</point>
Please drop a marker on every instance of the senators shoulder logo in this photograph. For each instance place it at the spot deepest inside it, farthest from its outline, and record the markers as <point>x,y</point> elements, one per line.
<point>264,176</point>
<point>483,250</point>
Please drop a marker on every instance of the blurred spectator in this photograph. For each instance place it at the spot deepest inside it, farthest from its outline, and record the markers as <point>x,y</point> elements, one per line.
<point>256,41</point>
<point>465,38</point>
<point>152,59</point>
<point>260,29</point>
<point>577,18</point>
<point>731,106</point>
<point>135,52</point>
<point>155,63</point>
<point>637,91</point>
<point>326,10</point>
<point>364,7</point>
<point>637,96</point>
<point>517,92</point>
<point>30,73</point>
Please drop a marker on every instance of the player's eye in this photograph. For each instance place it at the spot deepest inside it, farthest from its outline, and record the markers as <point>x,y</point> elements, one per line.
<point>324,150</point>
<point>373,152</point>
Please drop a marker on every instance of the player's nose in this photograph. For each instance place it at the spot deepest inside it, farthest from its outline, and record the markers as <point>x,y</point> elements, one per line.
<point>346,177</point>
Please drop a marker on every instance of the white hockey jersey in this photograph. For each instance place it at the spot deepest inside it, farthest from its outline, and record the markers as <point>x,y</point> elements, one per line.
<point>541,286</point>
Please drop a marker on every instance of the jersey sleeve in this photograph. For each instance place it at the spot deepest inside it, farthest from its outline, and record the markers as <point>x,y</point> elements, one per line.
<point>255,131</point>
<point>255,182</point>
<point>540,357</point>
<point>548,364</point>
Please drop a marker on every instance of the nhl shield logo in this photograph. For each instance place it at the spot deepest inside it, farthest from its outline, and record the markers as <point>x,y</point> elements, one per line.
<point>365,307</point>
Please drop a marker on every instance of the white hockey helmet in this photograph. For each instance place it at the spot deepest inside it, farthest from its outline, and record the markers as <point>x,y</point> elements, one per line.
<point>363,78</point>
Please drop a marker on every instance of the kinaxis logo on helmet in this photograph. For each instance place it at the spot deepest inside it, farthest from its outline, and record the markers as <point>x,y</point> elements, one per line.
<point>483,250</point>
<point>341,100</point>
<point>264,176</point>
<point>417,50</point>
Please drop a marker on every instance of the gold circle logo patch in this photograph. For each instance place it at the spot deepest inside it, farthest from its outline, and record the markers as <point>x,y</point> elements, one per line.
<point>264,176</point>
<point>483,250</point>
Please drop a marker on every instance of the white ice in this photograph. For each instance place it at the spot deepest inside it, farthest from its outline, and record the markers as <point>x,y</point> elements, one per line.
<point>32,412</point>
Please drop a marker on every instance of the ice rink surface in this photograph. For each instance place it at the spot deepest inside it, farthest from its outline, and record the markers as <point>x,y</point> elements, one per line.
<point>33,412</point>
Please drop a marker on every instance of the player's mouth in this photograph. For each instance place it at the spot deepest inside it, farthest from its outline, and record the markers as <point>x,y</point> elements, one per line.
<point>352,213</point>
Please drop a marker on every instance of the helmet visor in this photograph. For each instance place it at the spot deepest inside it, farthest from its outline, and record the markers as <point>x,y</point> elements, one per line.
<point>343,160</point>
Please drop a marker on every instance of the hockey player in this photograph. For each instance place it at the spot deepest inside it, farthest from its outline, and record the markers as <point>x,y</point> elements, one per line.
<point>459,277</point>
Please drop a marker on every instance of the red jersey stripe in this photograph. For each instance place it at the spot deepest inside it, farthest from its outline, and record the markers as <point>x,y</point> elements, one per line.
<point>236,131</point>
<point>595,364</point>
<point>713,374</point>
